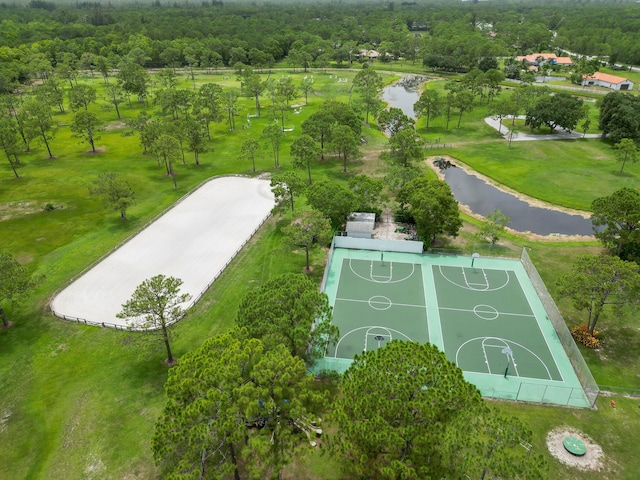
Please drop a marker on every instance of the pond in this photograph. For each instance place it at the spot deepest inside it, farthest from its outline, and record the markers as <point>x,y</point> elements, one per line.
<point>403,95</point>
<point>483,198</point>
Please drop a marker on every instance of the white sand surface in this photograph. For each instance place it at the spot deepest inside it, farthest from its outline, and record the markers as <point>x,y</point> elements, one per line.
<point>193,241</point>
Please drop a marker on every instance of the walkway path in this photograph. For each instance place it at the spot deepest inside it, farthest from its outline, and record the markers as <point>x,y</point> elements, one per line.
<point>523,137</point>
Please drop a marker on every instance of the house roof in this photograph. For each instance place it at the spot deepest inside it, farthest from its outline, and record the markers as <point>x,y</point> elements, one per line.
<point>534,57</point>
<point>369,53</point>
<point>605,77</point>
<point>564,61</point>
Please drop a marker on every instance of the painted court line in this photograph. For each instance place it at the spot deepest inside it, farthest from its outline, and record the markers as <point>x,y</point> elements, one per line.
<point>370,279</point>
<point>499,313</point>
<point>555,360</point>
<point>368,301</point>
<point>368,327</point>
<point>466,285</point>
<point>506,342</point>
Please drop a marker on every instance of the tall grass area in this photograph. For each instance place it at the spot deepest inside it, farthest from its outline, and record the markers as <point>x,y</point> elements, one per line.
<point>80,402</point>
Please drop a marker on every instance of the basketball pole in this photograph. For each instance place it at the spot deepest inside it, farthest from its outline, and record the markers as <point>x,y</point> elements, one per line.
<point>508,352</point>
<point>473,258</point>
<point>382,257</point>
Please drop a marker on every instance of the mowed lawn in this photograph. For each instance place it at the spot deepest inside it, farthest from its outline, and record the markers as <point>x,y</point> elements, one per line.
<point>81,402</point>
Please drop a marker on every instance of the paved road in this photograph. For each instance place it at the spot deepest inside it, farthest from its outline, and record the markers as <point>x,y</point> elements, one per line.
<point>524,137</point>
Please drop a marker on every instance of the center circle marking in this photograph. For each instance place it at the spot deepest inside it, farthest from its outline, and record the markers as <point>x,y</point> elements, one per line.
<point>485,312</point>
<point>378,302</point>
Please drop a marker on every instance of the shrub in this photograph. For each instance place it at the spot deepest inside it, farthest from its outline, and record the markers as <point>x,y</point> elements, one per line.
<point>581,335</point>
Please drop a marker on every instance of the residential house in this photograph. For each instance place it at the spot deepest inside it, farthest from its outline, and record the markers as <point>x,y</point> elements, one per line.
<point>539,59</point>
<point>613,82</point>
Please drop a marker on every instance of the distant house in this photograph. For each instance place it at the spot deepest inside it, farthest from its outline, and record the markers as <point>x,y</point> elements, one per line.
<point>563,61</point>
<point>538,59</point>
<point>599,79</point>
<point>370,54</point>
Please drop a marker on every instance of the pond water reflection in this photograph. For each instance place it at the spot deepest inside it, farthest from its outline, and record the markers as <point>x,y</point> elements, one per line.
<point>483,198</point>
<point>402,96</point>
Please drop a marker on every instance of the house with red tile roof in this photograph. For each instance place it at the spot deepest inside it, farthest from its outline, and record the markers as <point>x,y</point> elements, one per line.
<point>537,59</point>
<point>564,61</point>
<point>613,82</point>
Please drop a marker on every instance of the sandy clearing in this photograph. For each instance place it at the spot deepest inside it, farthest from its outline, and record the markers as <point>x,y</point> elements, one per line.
<point>592,460</point>
<point>193,241</point>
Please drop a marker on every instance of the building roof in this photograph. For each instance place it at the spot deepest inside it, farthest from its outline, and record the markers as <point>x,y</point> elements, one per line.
<point>564,61</point>
<point>362,217</point>
<point>359,227</point>
<point>369,53</point>
<point>605,77</point>
<point>535,57</point>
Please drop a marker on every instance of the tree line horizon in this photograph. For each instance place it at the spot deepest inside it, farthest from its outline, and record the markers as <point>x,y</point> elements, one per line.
<point>37,38</point>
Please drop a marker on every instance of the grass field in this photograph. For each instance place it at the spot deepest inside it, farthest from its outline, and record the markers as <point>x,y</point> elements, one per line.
<point>78,403</point>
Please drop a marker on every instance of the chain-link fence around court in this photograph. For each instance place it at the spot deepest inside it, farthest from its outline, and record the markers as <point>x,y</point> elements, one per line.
<point>589,385</point>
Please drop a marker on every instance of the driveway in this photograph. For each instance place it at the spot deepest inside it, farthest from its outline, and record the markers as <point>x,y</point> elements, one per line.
<point>524,137</point>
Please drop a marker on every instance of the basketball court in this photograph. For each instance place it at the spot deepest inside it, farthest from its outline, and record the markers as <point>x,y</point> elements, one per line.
<point>482,312</point>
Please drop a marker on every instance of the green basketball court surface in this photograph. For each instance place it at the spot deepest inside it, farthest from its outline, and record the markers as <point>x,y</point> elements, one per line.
<point>484,313</point>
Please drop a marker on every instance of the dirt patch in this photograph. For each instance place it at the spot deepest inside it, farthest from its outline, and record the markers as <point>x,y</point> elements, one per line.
<point>592,460</point>
<point>95,152</point>
<point>5,415</point>
<point>388,229</point>
<point>117,125</point>
<point>525,198</point>
<point>11,210</point>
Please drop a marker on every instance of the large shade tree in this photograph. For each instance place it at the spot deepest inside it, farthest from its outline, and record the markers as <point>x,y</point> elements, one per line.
<point>233,406</point>
<point>155,306</point>
<point>404,412</point>
<point>432,206</point>
<point>332,199</point>
<point>114,191</point>
<point>286,187</point>
<point>311,228</point>
<point>619,116</point>
<point>304,150</point>
<point>616,222</point>
<point>368,83</point>
<point>596,281</point>
<point>289,310</point>
<point>560,110</point>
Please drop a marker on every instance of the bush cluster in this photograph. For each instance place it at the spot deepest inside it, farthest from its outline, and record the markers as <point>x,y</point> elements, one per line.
<point>582,335</point>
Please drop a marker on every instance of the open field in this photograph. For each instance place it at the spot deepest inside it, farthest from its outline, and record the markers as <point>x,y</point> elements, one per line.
<point>78,403</point>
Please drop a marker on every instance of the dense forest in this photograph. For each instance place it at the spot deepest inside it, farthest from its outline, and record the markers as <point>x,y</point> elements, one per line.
<point>37,38</point>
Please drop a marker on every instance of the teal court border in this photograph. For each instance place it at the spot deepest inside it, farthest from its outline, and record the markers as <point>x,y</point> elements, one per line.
<point>554,380</point>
